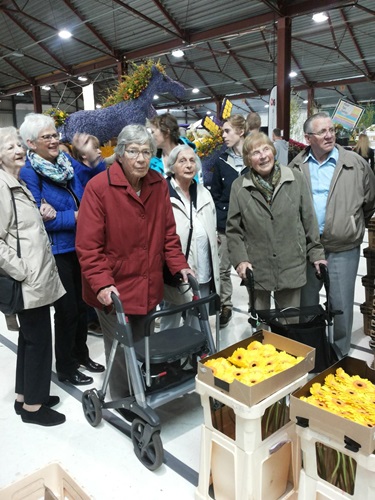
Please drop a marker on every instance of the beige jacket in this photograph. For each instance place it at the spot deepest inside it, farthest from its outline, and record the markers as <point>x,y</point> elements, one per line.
<point>36,268</point>
<point>351,200</point>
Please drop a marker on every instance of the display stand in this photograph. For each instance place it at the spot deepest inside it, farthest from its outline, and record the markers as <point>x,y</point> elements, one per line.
<point>241,458</point>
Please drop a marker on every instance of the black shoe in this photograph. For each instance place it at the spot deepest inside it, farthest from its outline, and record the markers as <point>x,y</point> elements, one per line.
<point>225,316</point>
<point>44,416</point>
<point>75,378</point>
<point>52,401</point>
<point>91,366</point>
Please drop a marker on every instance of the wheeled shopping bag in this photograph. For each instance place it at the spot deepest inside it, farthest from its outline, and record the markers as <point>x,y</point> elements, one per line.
<point>312,325</point>
<point>161,367</point>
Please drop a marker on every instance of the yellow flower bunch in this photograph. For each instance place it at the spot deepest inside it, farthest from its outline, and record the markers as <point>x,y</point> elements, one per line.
<point>107,151</point>
<point>252,365</point>
<point>134,83</point>
<point>207,144</point>
<point>350,397</point>
<point>58,115</point>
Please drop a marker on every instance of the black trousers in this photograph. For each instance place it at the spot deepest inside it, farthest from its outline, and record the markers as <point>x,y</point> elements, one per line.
<point>70,317</point>
<point>34,355</point>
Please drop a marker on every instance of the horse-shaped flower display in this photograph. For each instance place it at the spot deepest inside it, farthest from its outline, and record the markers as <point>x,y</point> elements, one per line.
<point>108,122</point>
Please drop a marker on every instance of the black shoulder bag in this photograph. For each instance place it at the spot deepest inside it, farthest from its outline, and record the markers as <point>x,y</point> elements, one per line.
<point>11,299</point>
<point>169,278</point>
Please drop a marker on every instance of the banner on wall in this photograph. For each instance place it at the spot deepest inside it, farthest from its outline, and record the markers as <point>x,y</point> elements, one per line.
<point>272,111</point>
<point>88,97</point>
<point>347,114</point>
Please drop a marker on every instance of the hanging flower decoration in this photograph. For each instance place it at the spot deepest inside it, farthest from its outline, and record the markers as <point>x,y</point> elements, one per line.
<point>252,365</point>
<point>350,397</point>
<point>134,83</point>
<point>58,115</point>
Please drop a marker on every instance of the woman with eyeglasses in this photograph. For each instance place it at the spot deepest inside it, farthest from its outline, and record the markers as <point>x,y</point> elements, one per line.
<point>126,230</point>
<point>271,226</point>
<point>55,177</point>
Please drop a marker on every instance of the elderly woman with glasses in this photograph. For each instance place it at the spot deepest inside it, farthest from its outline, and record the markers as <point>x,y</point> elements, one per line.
<point>55,177</point>
<point>126,231</point>
<point>195,215</point>
<point>271,226</point>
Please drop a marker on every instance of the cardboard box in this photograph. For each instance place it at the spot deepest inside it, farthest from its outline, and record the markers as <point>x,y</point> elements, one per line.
<point>256,393</point>
<point>50,483</point>
<point>356,437</point>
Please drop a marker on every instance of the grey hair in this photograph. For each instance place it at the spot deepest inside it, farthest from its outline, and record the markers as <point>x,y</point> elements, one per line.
<point>172,158</point>
<point>8,133</point>
<point>137,134</point>
<point>307,128</point>
<point>33,124</point>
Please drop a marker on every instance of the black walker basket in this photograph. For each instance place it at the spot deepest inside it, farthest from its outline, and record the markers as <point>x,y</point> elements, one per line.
<point>311,325</point>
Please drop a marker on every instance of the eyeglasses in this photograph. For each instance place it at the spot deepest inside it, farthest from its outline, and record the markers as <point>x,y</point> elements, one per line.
<point>134,153</point>
<point>258,153</point>
<point>323,132</point>
<point>49,137</point>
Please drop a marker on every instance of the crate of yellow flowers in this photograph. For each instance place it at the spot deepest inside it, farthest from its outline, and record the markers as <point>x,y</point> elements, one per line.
<point>253,369</point>
<point>340,403</point>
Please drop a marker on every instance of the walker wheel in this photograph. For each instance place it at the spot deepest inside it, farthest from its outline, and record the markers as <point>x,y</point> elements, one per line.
<point>92,407</point>
<point>147,444</point>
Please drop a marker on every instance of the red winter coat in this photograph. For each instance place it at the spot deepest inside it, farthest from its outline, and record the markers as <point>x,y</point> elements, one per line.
<point>123,239</point>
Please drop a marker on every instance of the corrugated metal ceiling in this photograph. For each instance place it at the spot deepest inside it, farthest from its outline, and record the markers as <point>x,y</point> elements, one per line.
<point>230,48</point>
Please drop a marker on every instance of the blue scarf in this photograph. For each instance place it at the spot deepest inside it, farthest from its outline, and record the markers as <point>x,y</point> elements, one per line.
<point>60,172</point>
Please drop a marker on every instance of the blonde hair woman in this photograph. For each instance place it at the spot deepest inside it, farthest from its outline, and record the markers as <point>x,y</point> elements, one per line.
<point>363,149</point>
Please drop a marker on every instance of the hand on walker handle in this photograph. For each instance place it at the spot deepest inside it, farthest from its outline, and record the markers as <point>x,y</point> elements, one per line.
<point>241,269</point>
<point>104,296</point>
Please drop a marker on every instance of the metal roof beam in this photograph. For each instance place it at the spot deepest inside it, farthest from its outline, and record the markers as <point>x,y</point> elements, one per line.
<point>89,26</point>
<point>62,66</point>
<point>316,6</point>
<point>170,19</point>
<point>355,41</point>
<point>150,21</point>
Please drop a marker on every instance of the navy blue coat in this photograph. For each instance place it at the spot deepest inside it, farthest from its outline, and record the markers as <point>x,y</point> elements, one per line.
<point>223,176</point>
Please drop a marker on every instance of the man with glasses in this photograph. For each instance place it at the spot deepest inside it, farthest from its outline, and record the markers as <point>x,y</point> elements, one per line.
<point>343,189</point>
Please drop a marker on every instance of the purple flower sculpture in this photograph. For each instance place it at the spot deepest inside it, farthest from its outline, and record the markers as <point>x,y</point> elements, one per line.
<point>107,123</point>
<point>208,163</point>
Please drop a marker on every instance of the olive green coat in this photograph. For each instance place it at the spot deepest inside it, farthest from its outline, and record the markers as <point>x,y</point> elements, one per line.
<point>274,238</point>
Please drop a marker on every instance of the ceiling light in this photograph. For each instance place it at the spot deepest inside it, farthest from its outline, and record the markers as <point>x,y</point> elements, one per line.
<point>98,106</point>
<point>195,90</point>
<point>20,94</point>
<point>305,101</point>
<point>292,74</point>
<point>82,78</point>
<point>208,112</point>
<point>320,17</point>
<point>46,87</point>
<point>65,34</point>
<point>156,97</point>
<point>178,53</point>
<point>266,106</point>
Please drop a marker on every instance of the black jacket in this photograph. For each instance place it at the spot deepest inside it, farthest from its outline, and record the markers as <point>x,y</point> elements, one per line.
<point>224,174</point>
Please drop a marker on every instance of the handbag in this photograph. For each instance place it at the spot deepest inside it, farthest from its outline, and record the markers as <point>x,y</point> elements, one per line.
<point>11,298</point>
<point>176,279</point>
